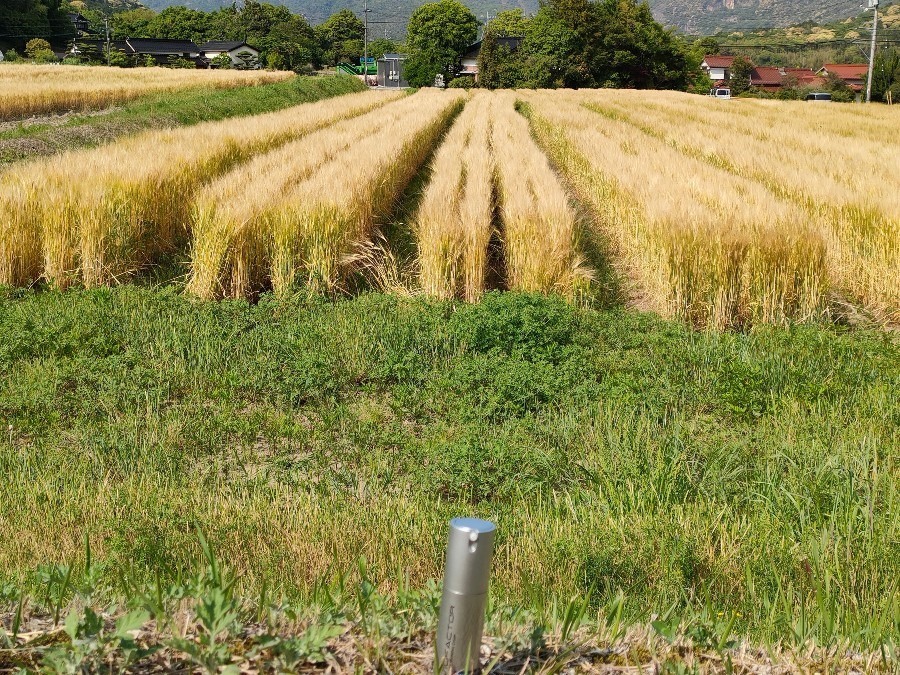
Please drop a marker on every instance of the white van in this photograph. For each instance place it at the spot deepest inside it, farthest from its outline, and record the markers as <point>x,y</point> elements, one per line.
<point>721,92</point>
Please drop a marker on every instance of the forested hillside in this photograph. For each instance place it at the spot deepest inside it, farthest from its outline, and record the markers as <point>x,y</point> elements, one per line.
<point>693,16</point>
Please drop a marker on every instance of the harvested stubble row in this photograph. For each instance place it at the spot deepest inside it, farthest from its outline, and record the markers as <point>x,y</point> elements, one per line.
<point>488,159</point>
<point>60,226</point>
<point>817,170</point>
<point>36,89</point>
<point>301,230</point>
<point>454,224</point>
<point>688,254</point>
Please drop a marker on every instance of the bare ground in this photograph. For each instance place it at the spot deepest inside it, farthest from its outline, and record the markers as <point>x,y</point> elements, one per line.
<point>360,650</point>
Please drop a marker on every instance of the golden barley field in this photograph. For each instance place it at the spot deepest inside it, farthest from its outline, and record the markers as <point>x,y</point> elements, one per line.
<point>40,89</point>
<point>723,214</point>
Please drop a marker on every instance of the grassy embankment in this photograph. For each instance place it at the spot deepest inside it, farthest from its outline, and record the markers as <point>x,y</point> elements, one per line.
<point>735,484</point>
<point>166,110</point>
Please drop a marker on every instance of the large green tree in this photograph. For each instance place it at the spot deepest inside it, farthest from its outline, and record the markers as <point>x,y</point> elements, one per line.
<point>24,20</point>
<point>509,23</point>
<point>179,23</point>
<point>133,23</point>
<point>741,71</point>
<point>341,37</point>
<point>437,35</point>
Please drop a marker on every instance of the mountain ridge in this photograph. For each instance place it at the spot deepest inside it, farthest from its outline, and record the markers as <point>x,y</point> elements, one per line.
<point>699,17</point>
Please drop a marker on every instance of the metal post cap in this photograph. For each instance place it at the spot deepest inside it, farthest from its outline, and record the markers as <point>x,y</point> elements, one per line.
<point>469,549</point>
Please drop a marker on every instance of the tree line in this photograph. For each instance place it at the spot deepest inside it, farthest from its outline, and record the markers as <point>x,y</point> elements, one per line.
<point>566,43</point>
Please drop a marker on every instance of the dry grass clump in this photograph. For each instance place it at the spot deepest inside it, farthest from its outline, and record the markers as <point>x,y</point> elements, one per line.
<point>709,258</point>
<point>96,215</point>
<point>454,223</point>
<point>539,235</point>
<point>838,165</point>
<point>36,89</point>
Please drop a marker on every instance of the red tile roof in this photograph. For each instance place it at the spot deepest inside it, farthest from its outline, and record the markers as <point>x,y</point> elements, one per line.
<point>847,71</point>
<point>764,76</point>
<point>716,61</point>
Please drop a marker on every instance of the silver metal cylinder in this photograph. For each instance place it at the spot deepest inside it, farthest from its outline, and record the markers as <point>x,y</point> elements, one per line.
<point>466,576</point>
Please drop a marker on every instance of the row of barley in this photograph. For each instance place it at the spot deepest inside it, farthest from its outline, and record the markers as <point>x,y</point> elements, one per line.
<point>39,89</point>
<point>94,216</point>
<point>688,252</point>
<point>304,209</point>
<point>846,186</point>
<point>489,177</point>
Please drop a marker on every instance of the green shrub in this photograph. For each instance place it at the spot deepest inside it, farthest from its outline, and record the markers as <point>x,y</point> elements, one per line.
<point>462,82</point>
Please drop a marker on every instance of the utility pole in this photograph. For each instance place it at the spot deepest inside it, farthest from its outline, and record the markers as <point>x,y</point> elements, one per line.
<point>106,21</point>
<point>873,4</point>
<point>366,41</point>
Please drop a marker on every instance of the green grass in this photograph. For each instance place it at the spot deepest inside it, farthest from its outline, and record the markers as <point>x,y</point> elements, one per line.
<point>753,476</point>
<point>169,110</point>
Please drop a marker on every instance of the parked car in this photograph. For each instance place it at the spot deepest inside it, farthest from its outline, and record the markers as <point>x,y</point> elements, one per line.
<point>720,92</point>
<point>818,96</point>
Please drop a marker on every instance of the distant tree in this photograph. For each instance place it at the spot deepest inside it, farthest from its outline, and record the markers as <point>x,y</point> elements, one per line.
<point>741,70</point>
<point>499,67</point>
<point>381,46</point>
<point>180,62</point>
<point>840,91</point>
<point>438,33</point>
<point>463,82</point>
<point>295,44</point>
<point>22,20</point>
<point>133,23</point>
<point>706,46</point>
<point>179,23</point>
<point>12,55</point>
<point>509,23</point>
<point>222,62</point>
<point>552,52</point>
<point>885,74</point>
<point>341,37</point>
<point>37,47</point>
<point>247,61</point>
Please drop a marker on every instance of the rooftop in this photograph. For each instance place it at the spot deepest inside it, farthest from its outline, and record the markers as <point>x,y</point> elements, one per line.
<point>718,61</point>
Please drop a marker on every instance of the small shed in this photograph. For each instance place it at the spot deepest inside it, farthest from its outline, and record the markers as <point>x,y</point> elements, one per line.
<point>391,71</point>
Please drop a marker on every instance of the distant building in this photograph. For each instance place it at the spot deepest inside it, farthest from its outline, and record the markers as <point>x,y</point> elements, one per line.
<point>162,52</point>
<point>390,71</point>
<point>717,67</point>
<point>216,48</point>
<point>854,74</point>
<point>79,23</point>
<point>469,60</point>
